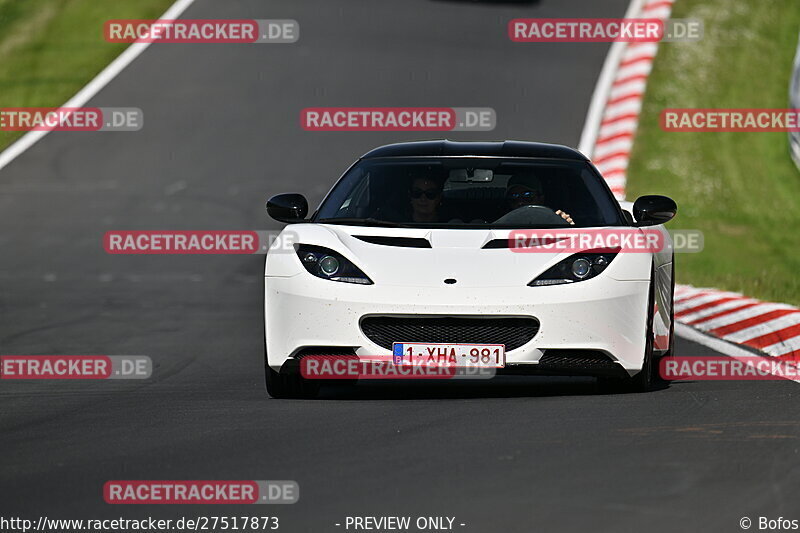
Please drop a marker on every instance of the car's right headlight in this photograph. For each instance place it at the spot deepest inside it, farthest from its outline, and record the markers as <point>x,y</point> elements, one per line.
<point>578,267</point>
<point>327,264</point>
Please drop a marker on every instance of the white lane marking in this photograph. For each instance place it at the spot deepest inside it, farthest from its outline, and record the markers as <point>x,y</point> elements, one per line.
<point>93,87</point>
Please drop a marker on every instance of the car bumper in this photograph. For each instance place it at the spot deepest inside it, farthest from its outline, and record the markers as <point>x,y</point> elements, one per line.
<point>601,314</point>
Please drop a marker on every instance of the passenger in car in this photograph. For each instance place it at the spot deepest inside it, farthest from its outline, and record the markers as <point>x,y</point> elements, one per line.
<point>425,196</point>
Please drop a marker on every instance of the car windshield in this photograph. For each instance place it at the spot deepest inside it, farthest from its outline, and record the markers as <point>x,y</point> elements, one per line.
<point>472,192</point>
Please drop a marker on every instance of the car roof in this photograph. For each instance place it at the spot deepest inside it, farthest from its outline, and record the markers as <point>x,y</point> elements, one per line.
<point>486,149</point>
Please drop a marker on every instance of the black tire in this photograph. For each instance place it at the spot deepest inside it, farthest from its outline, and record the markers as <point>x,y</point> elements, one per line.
<point>289,385</point>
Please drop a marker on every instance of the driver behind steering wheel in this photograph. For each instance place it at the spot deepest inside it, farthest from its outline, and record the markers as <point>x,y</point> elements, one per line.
<point>526,189</point>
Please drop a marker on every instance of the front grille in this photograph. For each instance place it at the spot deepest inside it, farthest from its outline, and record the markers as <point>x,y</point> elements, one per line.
<point>513,332</point>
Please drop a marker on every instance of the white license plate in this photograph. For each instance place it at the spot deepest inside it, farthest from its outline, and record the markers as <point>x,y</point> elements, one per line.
<point>454,355</point>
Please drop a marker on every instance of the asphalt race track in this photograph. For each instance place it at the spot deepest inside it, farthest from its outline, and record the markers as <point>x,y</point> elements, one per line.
<point>221,135</point>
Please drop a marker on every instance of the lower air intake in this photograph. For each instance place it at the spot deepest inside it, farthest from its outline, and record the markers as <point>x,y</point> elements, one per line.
<point>576,359</point>
<point>330,351</point>
<point>513,332</point>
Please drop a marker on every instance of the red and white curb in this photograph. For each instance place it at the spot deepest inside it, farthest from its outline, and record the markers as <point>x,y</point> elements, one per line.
<point>768,327</point>
<point>607,139</point>
<point>617,102</point>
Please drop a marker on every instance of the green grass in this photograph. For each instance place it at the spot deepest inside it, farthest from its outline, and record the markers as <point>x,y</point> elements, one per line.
<point>741,189</point>
<point>49,49</point>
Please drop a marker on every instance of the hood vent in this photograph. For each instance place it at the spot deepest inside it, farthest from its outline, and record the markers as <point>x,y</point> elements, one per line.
<point>402,242</point>
<point>495,243</point>
<point>507,243</point>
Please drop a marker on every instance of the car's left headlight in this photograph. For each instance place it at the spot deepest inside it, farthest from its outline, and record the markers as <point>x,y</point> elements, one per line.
<point>578,267</point>
<point>327,264</point>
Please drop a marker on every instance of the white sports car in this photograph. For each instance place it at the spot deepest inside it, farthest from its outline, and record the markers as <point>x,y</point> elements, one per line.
<point>421,245</point>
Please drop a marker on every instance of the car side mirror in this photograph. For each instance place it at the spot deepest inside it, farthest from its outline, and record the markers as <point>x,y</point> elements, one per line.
<point>654,209</point>
<point>288,207</point>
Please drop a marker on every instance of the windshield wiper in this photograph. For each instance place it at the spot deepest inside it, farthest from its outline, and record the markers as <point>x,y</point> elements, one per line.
<point>362,222</point>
